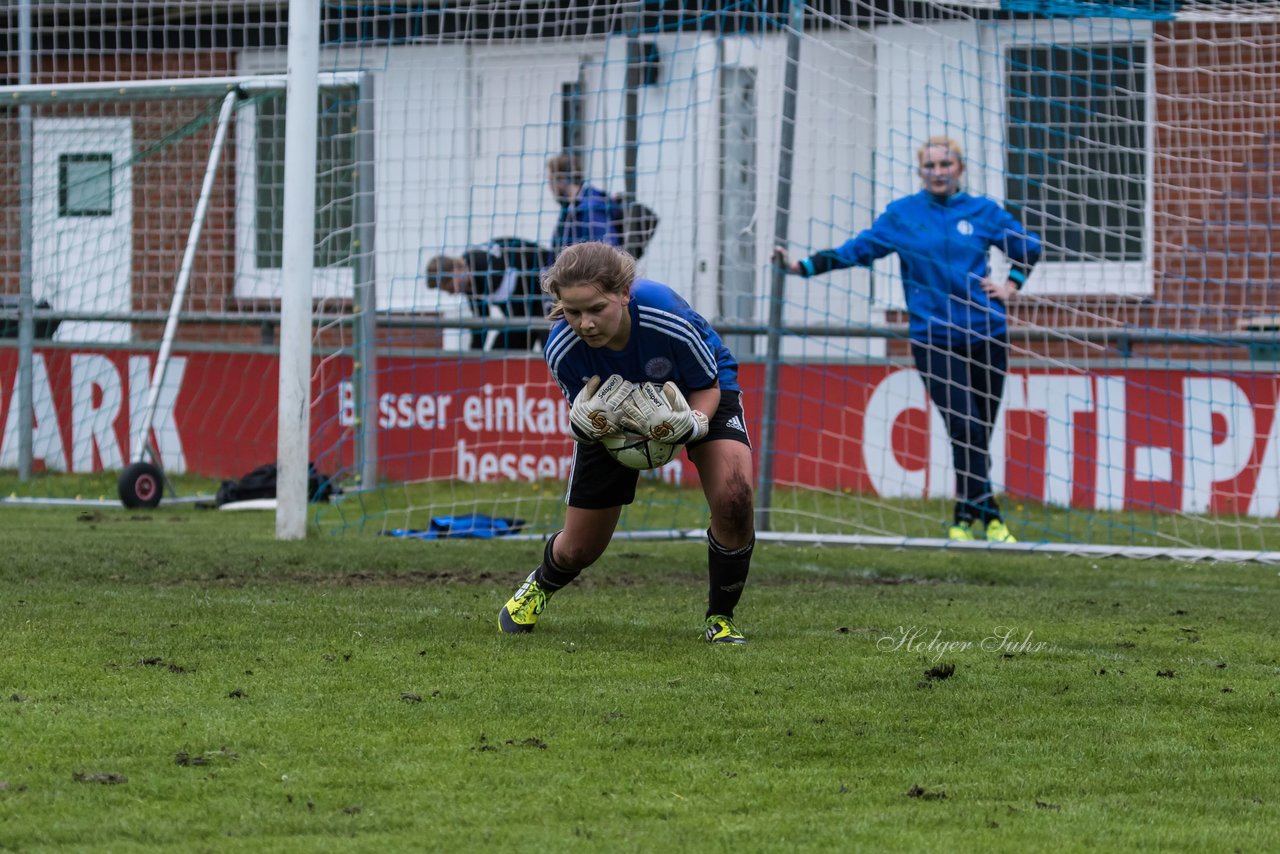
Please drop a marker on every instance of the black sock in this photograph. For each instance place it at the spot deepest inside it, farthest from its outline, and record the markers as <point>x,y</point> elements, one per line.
<point>549,575</point>
<point>991,512</point>
<point>727,571</point>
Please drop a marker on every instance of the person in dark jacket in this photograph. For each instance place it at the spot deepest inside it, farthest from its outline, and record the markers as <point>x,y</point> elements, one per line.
<point>586,213</point>
<point>957,318</point>
<point>504,273</point>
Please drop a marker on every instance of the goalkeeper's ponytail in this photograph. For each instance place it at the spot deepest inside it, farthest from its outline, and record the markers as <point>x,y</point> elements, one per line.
<point>610,269</point>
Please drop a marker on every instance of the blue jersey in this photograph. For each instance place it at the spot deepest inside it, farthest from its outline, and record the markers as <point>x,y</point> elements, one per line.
<point>942,245</point>
<point>669,341</point>
<point>588,217</point>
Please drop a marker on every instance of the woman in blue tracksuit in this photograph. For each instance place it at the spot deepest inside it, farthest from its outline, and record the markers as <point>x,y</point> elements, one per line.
<point>958,328</point>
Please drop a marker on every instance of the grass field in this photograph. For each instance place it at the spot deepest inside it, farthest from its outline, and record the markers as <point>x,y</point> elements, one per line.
<point>660,506</point>
<point>179,680</point>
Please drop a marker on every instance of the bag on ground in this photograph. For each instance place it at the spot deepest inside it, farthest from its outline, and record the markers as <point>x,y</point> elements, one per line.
<point>261,483</point>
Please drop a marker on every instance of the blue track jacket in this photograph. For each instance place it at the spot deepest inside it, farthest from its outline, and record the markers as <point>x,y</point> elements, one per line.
<point>588,217</point>
<point>942,246</point>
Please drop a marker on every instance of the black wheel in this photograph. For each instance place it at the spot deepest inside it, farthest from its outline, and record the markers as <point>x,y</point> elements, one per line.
<point>140,485</point>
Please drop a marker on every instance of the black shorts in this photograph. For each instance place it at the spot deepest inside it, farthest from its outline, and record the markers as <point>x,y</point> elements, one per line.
<point>598,481</point>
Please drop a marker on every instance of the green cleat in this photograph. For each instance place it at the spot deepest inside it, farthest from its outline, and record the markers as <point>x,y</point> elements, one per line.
<point>960,531</point>
<point>720,629</point>
<point>520,614</point>
<point>998,532</point>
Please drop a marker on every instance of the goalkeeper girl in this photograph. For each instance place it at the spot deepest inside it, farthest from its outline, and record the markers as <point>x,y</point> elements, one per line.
<point>612,334</point>
<point>957,326</point>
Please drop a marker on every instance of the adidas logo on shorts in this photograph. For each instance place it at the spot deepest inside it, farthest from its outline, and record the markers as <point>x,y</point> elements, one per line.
<point>736,423</point>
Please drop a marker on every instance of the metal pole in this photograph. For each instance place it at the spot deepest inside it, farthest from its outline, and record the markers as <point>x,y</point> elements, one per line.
<point>782,219</point>
<point>364,365</point>
<point>179,87</point>
<point>26,300</point>
<point>630,114</point>
<point>293,438</point>
<point>142,430</point>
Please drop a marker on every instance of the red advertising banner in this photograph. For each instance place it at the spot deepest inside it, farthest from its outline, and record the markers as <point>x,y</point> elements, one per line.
<point>1122,439</point>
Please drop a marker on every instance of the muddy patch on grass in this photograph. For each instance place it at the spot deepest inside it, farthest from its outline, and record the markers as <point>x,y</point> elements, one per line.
<point>413,578</point>
<point>926,794</point>
<point>157,661</point>
<point>187,759</point>
<point>96,517</point>
<point>616,571</point>
<point>107,778</point>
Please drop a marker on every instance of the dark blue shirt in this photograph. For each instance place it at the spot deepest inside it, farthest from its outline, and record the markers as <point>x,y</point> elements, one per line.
<point>587,218</point>
<point>669,341</point>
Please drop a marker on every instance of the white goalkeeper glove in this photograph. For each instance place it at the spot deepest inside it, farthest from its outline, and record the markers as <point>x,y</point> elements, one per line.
<point>596,411</point>
<point>663,415</point>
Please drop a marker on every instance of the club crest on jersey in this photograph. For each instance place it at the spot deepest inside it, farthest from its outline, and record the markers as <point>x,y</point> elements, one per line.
<point>964,227</point>
<point>657,368</point>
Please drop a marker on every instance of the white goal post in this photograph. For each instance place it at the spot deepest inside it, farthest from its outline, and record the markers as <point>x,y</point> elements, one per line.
<point>294,429</point>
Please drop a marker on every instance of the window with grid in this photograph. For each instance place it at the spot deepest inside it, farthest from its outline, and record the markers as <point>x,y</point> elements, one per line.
<point>1076,147</point>
<point>335,179</point>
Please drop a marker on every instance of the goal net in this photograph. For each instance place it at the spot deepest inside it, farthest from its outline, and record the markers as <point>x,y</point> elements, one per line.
<point>1136,140</point>
<point>130,206</point>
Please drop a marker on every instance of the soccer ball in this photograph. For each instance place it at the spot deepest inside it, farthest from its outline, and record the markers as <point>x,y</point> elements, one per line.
<point>636,452</point>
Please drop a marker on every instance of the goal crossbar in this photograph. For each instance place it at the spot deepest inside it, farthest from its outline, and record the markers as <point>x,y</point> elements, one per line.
<point>195,87</point>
